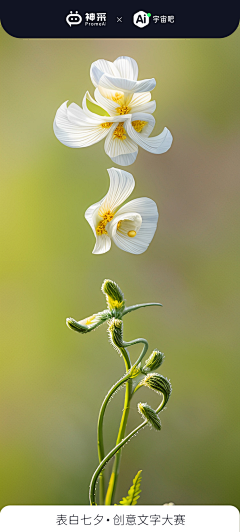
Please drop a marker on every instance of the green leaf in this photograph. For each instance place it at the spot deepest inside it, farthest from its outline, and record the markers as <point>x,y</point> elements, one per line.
<point>134,492</point>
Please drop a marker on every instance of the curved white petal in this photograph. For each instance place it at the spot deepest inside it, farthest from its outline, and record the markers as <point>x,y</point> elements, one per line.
<point>121,186</point>
<point>147,209</point>
<point>142,117</point>
<point>121,226</point>
<point>159,144</point>
<point>93,116</point>
<point>106,102</point>
<point>121,151</point>
<point>127,85</point>
<point>103,244</point>
<point>127,67</point>
<point>100,67</point>
<point>74,129</point>
<point>144,108</point>
<point>92,215</point>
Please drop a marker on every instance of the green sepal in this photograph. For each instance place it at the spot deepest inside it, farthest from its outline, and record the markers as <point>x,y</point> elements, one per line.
<point>149,415</point>
<point>114,295</point>
<point>88,324</point>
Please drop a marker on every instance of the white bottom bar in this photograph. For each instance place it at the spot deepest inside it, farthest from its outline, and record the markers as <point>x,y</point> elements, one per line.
<point>113,518</point>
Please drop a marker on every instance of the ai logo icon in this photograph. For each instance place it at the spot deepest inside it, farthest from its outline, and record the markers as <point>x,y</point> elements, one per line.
<point>141,19</point>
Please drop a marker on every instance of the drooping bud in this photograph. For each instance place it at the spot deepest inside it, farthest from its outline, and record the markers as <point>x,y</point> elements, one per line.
<point>115,330</point>
<point>153,362</point>
<point>159,384</point>
<point>114,295</point>
<point>149,415</point>
<point>88,324</point>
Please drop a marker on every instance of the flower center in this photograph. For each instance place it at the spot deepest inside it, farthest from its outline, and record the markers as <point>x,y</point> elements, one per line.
<point>130,233</point>
<point>119,132</point>
<point>118,96</point>
<point>123,110</point>
<point>106,125</point>
<point>101,227</point>
<point>138,125</point>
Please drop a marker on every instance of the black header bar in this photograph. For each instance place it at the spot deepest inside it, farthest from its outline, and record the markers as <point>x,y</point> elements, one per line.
<point>121,19</point>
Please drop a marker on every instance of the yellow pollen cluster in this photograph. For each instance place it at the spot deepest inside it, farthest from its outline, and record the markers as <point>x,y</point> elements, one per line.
<point>132,233</point>
<point>123,110</point>
<point>119,224</point>
<point>138,125</point>
<point>101,227</point>
<point>120,132</point>
<point>118,96</point>
<point>106,125</point>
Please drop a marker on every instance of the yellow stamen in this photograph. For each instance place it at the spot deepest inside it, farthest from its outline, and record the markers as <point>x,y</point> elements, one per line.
<point>138,125</point>
<point>132,233</point>
<point>119,132</point>
<point>118,96</point>
<point>123,110</point>
<point>101,227</point>
<point>106,125</point>
<point>119,224</point>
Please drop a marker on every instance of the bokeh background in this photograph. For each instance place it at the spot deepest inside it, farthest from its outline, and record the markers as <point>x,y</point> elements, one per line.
<point>52,379</point>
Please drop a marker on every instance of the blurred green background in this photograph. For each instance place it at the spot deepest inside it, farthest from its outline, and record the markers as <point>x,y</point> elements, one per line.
<point>53,380</point>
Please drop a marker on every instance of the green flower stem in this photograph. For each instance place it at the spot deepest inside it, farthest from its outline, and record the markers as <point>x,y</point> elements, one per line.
<point>115,470</point>
<point>110,455</point>
<point>141,305</point>
<point>121,432</point>
<point>100,433</point>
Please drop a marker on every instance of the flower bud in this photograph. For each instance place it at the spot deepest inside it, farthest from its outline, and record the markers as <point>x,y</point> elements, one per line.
<point>159,384</point>
<point>153,362</point>
<point>114,295</point>
<point>115,330</point>
<point>149,415</point>
<point>88,324</point>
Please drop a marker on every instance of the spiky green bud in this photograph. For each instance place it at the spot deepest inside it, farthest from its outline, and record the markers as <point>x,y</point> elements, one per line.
<point>149,415</point>
<point>159,384</point>
<point>114,295</point>
<point>153,362</point>
<point>115,330</point>
<point>88,324</point>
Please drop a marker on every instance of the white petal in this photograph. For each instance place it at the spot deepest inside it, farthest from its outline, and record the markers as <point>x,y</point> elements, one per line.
<point>106,103</point>
<point>92,216</point>
<point>122,152</point>
<point>147,209</point>
<point>121,186</point>
<point>74,129</point>
<point>100,67</point>
<point>126,85</point>
<point>103,244</point>
<point>145,117</point>
<point>93,116</point>
<point>127,67</point>
<point>141,103</point>
<point>159,144</point>
<point>131,221</point>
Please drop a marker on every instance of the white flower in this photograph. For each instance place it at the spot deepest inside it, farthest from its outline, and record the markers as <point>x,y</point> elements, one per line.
<point>131,227</point>
<point>120,75</point>
<point>127,125</point>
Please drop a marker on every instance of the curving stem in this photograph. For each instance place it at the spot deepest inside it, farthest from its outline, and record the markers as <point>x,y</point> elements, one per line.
<point>100,432</point>
<point>110,455</point>
<point>115,470</point>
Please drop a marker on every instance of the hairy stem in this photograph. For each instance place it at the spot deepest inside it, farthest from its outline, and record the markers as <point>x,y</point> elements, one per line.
<point>115,470</point>
<point>121,432</point>
<point>110,455</point>
<point>100,433</point>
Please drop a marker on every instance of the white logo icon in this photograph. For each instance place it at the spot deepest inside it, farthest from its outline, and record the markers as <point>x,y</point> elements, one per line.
<point>141,19</point>
<point>73,18</point>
